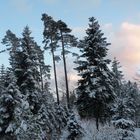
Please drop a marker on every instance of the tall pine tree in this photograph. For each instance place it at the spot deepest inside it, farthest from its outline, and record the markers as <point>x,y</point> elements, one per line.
<point>66,39</point>
<point>50,41</point>
<point>95,89</point>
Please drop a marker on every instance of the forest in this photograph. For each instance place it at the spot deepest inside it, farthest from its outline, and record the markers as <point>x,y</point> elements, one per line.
<point>102,106</point>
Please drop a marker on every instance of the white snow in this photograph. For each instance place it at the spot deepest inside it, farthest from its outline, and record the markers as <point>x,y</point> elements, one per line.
<point>10,128</point>
<point>137,133</point>
<point>25,105</point>
<point>23,125</point>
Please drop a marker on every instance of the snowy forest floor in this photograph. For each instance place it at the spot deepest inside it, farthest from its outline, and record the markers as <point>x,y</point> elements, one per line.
<point>105,132</point>
<point>137,133</point>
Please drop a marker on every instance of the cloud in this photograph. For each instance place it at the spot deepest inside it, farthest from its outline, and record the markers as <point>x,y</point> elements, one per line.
<point>21,5</point>
<point>71,73</point>
<point>107,26</point>
<point>108,31</point>
<point>126,47</point>
<point>79,32</point>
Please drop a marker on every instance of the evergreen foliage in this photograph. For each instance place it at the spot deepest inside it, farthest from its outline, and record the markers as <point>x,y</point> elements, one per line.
<point>28,109</point>
<point>118,76</point>
<point>36,116</point>
<point>124,114</point>
<point>75,130</point>
<point>2,77</point>
<point>95,90</point>
<point>10,107</point>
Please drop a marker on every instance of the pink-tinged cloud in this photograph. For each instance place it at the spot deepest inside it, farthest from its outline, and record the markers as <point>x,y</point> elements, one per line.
<point>126,47</point>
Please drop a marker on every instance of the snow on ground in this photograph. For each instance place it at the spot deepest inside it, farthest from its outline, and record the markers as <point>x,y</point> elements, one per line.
<point>106,132</point>
<point>137,133</point>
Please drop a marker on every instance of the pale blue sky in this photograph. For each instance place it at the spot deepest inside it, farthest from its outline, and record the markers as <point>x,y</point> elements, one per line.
<point>16,14</point>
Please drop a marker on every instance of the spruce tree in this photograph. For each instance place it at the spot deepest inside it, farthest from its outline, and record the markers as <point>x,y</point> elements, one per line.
<point>44,70</point>
<point>132,96</point>
<point>122,120</point>
<point>75,130</point>
<point>118,76</point>
<point>117,83</point>
<point>29,80</point>
<point>136,93</point>
<point>11,40</point>
<point>28,113</point>
<point>124,110</point>
<point>10,107</point>
<point>24,64</point>
<point>95,90</point>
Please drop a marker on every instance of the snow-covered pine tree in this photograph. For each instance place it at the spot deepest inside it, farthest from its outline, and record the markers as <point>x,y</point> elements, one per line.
<point>124,107</point>
<point>10,108</point>
<point>74,129</point>
<point>44,70</point>
<point>137,103</point>
<point>122,122</point>
<point>127,94</point>
<point>22,111</point>
<point>124,110</point>
<point>117,83</point>
<point>11,40</point>
<point>29,80</point>
<point>16,55</point>
<point>132,94</point>
<point>47,124</point>
<point>36,116</point>
<point>118,76</point>
<point>95,90</point>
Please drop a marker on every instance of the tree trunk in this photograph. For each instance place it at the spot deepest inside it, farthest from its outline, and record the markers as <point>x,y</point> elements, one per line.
<point>97,123</point>
<point>55,75</point>
<point>65,71</point>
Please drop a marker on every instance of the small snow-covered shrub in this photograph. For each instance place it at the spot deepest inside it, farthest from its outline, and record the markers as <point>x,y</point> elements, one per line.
<point>124,124</point>
<point>73,130</point>
<point>123,134</point>
<point>124,129</point>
